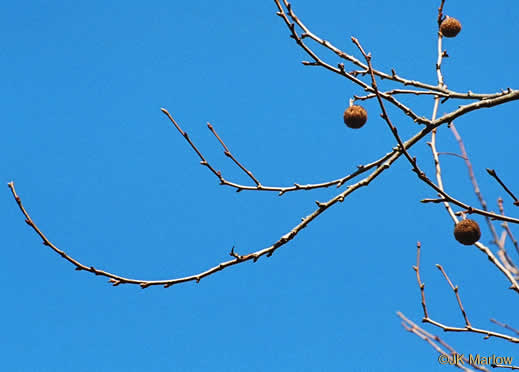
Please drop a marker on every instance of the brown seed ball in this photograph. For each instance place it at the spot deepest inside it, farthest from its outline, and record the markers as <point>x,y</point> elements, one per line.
<point>355,116</point>
<point>467,232</point>
<point>450,27</point>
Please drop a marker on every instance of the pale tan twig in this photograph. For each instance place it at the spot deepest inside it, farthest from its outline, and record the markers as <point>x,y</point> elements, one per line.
<point>444,95</point>
<point>254,256</point>
<point>439,188</point>
<point>446,201</point>
<point>499,265</point>
<point>456,292</point>
<point>474,182</point>
<point>513,368</point>
<point>227,153</point>
<point>377,167</point>
<point>281,190</point>
<point>434,340</point>
<point>432,144</point>
<point>384,161</point>
<point>505,225</point>
<point>511,95</point>
<point>394,131</point>
<point>451,154</point>
<point>446,198</point>
<point>468,327</point>
<point>502,253</point>
<point>412,161</point>
<point>503,256</point>
<point>419,280</point>
<point>417,332</point>
<point>340,68</point>
<point>384,114</point>
<point>486,100</point>
<point>439,180</point>
<point>401,91</point>
<point>504,325</point>
<point>364,69</point>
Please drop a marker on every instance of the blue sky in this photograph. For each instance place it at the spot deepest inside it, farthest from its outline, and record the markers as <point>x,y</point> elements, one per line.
<point>110,181</point>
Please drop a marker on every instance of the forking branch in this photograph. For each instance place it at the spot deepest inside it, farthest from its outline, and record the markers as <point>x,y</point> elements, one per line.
<point>369,83</point>
<point>361,175</point>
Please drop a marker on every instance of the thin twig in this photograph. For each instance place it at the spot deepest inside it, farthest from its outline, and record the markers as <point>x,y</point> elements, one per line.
<point>421,175</point>
<point>432,144</point>
<point>452,154</point>
<point>291,19</point>
<point>384,114</point>
<point>504,325</point>
<point>440,187</point>
<point>421,285</point>
<point>434,340</point>
<point>473,180</point>
<point>493,173</point>
<point>254,256</point>
<point>456,292</point>
<point>280,189</point>
<point>340,69</point>
<point>441,17</point>
<point>513,368</point>
<point>384,161</point>
<point>468,327</point>
<point>505,225</point>
<point>402,91</point>
<point>227,152</point>
<point>503,255</point>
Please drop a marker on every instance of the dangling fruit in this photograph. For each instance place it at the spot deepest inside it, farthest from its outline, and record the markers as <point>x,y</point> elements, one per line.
<point>450,27</point>
<point>467,232</point>
<point>355,116</point>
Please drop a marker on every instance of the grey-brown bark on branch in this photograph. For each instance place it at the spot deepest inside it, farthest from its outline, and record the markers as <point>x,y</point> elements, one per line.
<point>368,80</point>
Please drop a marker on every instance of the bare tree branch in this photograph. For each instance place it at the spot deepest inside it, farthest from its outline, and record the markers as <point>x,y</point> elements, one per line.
<point>504,326</point>
<point>291,20</point>
<point>468,327</point>
<point>282,190</point>
<point>506,227</point>
<point>435,341</point>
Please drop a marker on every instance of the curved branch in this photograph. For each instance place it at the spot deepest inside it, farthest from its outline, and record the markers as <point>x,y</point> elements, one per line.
<point>259,187</point>
<point>254,256</point>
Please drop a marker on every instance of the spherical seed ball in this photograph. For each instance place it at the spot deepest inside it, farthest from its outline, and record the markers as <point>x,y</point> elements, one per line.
<point>467,232</point>
<point>355,116</point>
<point>450,27</point>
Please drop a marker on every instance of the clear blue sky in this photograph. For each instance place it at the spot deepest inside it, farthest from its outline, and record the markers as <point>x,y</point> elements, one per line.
<point>110,181</point>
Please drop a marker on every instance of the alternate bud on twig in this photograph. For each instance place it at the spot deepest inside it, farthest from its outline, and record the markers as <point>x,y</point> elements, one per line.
<point>355,116</point>
<point>450,27</point>
<point>467,232</point>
